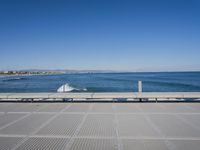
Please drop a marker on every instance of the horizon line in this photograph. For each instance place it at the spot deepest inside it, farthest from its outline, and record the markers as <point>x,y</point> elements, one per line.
<point>98,70</point>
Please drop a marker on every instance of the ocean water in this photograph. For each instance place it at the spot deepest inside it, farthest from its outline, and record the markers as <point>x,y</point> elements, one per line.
<point>105,82</point>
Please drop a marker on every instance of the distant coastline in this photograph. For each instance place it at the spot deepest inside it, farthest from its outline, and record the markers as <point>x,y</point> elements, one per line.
<point>25,73</point>
<point>33,72</point>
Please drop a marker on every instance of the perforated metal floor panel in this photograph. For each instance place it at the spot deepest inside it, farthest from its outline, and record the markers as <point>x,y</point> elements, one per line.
<point>26,125</point>
<point>100,126</point>
<point>78,107</point>
<point>64,124</point>
<point>130,144</point>
<point>38,143</point>
<point>7,143</point>
<point>9,118</point>
<point>94,144</point>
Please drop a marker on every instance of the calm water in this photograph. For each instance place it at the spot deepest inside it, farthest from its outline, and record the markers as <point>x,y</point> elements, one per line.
<point>104,82</point>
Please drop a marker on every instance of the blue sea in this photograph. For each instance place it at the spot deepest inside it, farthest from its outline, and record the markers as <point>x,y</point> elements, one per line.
<point>104,82</point>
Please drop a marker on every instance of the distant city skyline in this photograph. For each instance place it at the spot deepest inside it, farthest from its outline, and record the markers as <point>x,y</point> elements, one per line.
<point>118,35</point>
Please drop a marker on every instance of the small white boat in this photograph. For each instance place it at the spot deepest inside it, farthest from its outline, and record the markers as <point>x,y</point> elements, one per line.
<point>65,88</point>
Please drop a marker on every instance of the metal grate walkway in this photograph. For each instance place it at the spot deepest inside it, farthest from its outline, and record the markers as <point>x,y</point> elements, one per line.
<point>100,126</point>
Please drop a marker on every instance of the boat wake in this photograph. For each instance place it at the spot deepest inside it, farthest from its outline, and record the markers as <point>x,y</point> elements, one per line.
<point>68,88</point>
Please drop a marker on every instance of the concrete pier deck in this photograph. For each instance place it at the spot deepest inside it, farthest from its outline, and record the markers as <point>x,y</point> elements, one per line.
<point>110,96</point>
<point>100,126</point>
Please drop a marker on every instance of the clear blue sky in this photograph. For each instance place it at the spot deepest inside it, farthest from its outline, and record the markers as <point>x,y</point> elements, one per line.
<point>134,35</point>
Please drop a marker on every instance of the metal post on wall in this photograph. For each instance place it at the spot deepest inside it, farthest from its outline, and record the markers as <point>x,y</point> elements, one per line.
<point>140,89</point>
<point>140,86</point>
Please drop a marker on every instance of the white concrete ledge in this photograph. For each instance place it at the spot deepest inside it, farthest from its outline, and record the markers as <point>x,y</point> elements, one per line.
<point>105,95</point>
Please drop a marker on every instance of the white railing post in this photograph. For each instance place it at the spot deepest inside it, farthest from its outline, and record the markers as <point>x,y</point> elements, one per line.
<point>140,90</point>
<point>140,86</point>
